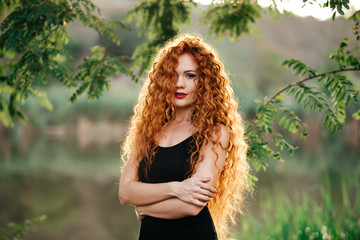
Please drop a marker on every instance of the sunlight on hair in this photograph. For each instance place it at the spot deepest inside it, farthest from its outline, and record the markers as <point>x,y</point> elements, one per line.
<point>155,106</point>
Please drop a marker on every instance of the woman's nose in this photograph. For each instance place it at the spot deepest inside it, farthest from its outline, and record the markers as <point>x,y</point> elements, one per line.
<point>180,82</point>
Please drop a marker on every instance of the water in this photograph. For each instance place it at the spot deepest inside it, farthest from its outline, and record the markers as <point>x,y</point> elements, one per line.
<point>75,188</point>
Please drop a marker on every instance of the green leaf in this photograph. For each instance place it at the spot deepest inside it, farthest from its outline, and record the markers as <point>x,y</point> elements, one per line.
<point>43,100</point>
<point>354,17</point>
<point>341,114</point>
<point>297,69</point>
<point>339,9</point>
<point>282,120</point>
<point>97,52</point>
<point>312,72</point>
<point>286,124</point>
<point>304,133</point>
<point>356,115</point>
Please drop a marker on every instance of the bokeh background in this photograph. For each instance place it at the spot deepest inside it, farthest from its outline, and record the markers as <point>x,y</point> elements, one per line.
<point>66,163</point>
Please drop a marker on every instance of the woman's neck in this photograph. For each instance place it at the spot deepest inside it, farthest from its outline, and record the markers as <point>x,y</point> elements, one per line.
<point>183,114</point>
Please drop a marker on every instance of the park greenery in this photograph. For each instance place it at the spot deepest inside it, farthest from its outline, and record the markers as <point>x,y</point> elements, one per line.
<point>304,217</point>
<point>34,36</point>
<point>20,231</point>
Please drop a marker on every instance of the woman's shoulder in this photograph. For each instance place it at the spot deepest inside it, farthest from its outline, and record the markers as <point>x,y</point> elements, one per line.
<point>221,133</point>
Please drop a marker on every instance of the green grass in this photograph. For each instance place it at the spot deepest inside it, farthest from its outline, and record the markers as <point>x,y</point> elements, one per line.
<point>309,215</point>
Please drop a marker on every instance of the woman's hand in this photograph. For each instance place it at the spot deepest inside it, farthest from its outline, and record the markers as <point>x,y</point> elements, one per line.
<point>194,190</point>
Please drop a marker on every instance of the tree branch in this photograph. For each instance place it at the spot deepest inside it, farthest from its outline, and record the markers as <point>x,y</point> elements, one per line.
<point>270,100</point>
<point>307,79</point>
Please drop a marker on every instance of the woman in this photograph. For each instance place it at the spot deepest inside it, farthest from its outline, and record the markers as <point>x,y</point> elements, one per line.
<point>185,156</point>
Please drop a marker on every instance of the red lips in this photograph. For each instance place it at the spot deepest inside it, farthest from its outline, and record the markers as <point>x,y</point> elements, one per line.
<point>180,95</point>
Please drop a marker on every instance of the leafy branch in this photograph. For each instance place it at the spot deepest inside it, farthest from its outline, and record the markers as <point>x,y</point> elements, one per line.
<point>160,20</point>
<point>231,17</point>
<point>33,37</point>
<point>32,40</point>
<point>331,96</point>
<point>20,230</point>
<point>271,99</point>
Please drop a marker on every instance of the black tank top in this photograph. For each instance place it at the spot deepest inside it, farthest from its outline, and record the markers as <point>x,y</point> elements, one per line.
<point>172,164</point>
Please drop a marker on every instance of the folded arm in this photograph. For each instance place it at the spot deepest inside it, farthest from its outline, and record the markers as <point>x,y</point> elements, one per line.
<point>172,208</point>
<point>211,165</point>
<point>133,192</point>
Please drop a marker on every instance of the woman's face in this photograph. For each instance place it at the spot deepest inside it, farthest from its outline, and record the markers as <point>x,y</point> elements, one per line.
<point>186,80</point>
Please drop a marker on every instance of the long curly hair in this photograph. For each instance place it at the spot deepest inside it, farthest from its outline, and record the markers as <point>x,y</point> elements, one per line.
<point>214,105</point>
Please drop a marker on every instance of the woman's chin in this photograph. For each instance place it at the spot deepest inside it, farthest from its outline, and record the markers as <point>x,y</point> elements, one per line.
<point>183,106</point>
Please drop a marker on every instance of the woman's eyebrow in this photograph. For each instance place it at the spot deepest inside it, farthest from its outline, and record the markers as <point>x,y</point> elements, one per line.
<point>189,71</point>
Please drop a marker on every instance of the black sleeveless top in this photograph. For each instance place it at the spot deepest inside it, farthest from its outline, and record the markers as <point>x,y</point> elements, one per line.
<point>172,164</point>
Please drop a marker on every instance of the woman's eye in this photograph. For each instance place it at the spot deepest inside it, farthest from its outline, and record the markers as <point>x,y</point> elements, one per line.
<point>190,76</point>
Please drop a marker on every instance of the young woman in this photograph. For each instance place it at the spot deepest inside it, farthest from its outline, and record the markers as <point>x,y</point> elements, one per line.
<point>185,156</point>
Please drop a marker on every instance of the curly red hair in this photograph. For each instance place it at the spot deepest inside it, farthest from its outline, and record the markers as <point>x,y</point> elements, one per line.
<point>214,105</point>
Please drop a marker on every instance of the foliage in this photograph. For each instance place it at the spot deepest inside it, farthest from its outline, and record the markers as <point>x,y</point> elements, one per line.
<point>330,96</point>
<point>19,231</point>
<point>38,58</point>
<point>306,217</point>
<point>233,18</point>
<point>159,20</point>
<point>32,40</point>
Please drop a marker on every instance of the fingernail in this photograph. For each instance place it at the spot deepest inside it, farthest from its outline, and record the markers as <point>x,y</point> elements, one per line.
<point>215,191</point>
<point>208,178</point>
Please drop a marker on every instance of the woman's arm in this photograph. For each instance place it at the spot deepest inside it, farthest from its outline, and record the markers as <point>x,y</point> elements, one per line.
<point>172,208</point>
<point>210,166</point>
<point>133,192</point>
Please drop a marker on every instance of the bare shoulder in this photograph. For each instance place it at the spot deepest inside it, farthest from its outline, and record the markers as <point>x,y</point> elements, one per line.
<point>222,133</point>
<point>214,154</point>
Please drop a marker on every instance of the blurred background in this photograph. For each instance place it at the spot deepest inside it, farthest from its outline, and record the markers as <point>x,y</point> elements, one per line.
<point>66,163</point>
